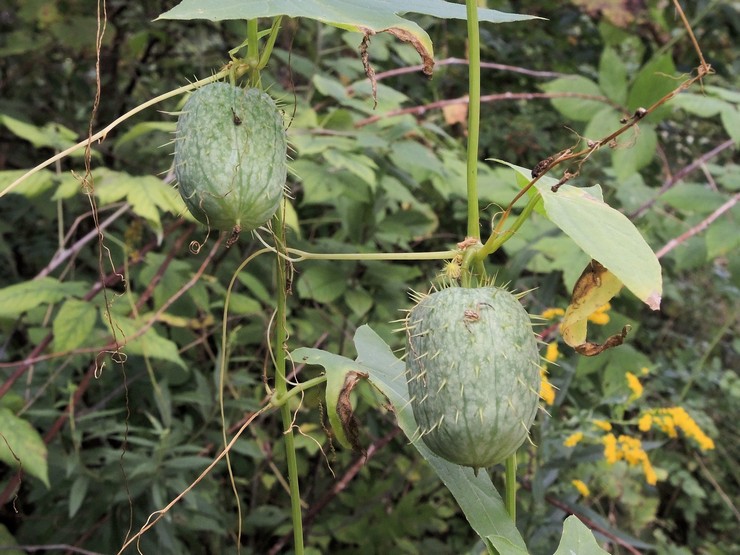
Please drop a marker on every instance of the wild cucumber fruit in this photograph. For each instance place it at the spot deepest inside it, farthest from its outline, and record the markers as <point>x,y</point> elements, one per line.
<point>230,156</point>
<point>473,373</point>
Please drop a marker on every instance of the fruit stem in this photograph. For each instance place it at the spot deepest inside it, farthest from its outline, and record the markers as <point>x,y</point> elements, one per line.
<point>281,385</point>
<point>499,237</point>
<point>473,117</point>
<point>510,493</point>
<point>253,52</point>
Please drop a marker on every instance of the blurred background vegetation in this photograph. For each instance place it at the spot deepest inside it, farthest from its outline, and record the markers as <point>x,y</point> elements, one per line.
<point>125,438</point>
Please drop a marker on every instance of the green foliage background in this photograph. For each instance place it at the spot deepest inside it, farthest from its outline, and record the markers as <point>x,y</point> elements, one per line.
<point>143,429</point>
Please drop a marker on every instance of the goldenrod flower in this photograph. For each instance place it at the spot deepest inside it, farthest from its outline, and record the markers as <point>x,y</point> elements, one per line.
<point>670,419</point>
<point>650,476</point>
<point>547,390</point>
<point>573,439</point>
<point>611,451</point>
<point>552,313</point>
<point>644,370</point>
<point>633,382</point>
<point>645,422</point>
<point>552,354</point>
<point>599,316</point>
<point>581,487</point>
<point>603,425</point>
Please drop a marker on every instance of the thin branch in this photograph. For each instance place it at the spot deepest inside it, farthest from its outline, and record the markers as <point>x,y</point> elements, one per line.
<point>462,61</point>
<point>705,223</point>
<point>420,110</point>
<point>681,174</point>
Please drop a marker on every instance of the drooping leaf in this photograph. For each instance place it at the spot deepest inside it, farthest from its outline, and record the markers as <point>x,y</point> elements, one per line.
<point>605,234</point>
<point>373,16</point>
<point>594,289</point>
<point>21,442</point>
<point>577,539</point>
<point>338,370</point>
<point>73,324</point>
<point>18,298</point>
<point>476,495</point>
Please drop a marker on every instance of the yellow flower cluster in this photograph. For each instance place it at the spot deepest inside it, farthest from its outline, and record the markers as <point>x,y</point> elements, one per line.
<point>547,390</point>
<point>600,317</point>
<point>552,353</point>
<point>671,419</point>
<point>581,487</point>
<point>628,449</point>
<point>552,313</point>
<point>602,425</point>
<point>573,439</point>
<point>633,382</point>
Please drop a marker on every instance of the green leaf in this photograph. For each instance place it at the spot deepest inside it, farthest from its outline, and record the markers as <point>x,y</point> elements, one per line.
<point>32,187</point>
<point>73,324</point>
<point>476,495</point>
<point>577,539</point>
<point>700,105</point>
<point>149,343</point>
<point>142,129</point>
<point>77,494</point>
<point>636,150</point>
<point>731,120</point>
<point>362,166</point>
<point>605,234</point>
<point>322,283</point>
<point>7,540</point>
<point>26,444</point>
<point>18,298</point>
<point>576,108</point>
<point>52,135</point>
<point>353,15</point>
<point>613,76</point>
<point>653,81</point>
<point>146,194</point>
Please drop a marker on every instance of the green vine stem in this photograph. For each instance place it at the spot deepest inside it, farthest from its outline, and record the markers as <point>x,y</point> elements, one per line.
<point>510,479</point>
<point>498,238</point>
<point>253,52</point>
<point>281,385</point>
<point>473,117</point>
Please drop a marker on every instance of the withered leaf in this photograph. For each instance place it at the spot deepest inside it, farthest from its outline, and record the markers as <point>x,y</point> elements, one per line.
<point>345,412</point>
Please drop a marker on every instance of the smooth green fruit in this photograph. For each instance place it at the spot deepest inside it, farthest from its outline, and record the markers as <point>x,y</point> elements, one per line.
<point>230,156</point>
<point>473,373</point>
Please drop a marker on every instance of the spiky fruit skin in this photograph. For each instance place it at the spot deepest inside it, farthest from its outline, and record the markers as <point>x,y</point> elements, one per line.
<point>230,156</point>
<point>473,374</point>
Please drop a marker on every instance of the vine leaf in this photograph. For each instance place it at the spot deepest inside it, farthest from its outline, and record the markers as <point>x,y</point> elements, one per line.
<point>342,374</point>
<point>365,16</point>
<point>605,234</point>
<point>577,538</point>
<point>21,442</point>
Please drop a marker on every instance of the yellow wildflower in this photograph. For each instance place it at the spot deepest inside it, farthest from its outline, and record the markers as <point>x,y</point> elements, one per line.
<point>676,417</point>
<point>645,422</point>
<point>573,439</point>
<point>602,424</point>
<point>581,487</point>
<point>547,390</point>
<point>552,313</point>
<point>633,382</point>
<point>632,451</point>
<point>599,316</point>
<point>552,354</point>
<point>644,370</point>
<point>650,476</point>
<point>611,452</point>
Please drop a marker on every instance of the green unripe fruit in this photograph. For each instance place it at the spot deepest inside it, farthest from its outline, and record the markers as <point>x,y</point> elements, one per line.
<point>473,374</point>
<point>230,156</point>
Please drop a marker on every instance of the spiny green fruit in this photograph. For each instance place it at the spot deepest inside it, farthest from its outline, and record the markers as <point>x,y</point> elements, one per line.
<point>473,373</point>
<point>230,156</point>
